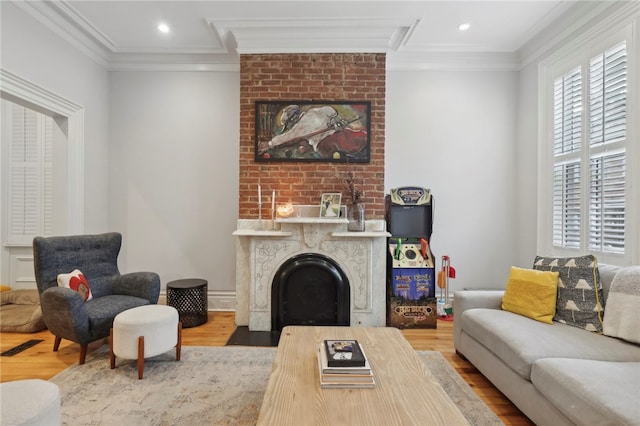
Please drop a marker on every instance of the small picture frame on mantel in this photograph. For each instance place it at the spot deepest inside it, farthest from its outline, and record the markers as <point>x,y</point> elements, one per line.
<point>330,205</point>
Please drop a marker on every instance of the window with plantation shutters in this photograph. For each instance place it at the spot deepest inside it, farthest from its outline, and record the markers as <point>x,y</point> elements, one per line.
<point>41,172</point>
<point>30,173</point>
<point>589,194</point>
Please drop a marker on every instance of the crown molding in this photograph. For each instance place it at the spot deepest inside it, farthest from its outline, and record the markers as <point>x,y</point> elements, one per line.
<point>316,35</point>
<point>49,14</point>
<point>221,45</point>
<point>61,18</point>
<point>175,66</point>
<point>83,26</point>
<point>391,35</point>
<point>452,61</point>
<point>594,16</point>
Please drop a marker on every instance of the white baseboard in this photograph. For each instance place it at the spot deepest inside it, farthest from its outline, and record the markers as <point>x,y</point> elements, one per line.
<point>216,300</point>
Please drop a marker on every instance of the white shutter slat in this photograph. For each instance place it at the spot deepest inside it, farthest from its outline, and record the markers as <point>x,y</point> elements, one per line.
<point>567,205</point>
<point>567,128</point>
<point>24,200</point>
<point>47,208</point>
<point>557,203</point>
<point>607,203</point>
<point>572,207</point>
<point>29,208</point>
<point>607,104</point>
<point>607,96</point>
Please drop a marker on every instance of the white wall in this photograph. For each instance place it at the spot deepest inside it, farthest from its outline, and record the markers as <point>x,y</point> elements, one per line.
<point>174,175</point>
<point>455,133</point>
<point>526,203</point>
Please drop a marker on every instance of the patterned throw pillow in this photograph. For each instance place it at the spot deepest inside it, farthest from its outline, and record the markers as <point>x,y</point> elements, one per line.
<point>580,299</point>
<point>75,280</point>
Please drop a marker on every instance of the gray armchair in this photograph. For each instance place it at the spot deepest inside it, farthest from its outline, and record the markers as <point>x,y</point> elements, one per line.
<point>65,313</point>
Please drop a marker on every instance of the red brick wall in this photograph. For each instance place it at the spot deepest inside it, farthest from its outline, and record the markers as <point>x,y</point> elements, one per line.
<point>354,77</point>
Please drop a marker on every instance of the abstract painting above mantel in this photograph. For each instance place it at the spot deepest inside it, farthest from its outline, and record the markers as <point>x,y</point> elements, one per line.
<point>330,131</point>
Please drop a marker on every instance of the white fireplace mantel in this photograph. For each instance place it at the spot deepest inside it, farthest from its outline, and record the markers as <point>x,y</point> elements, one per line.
<point>261,252</point>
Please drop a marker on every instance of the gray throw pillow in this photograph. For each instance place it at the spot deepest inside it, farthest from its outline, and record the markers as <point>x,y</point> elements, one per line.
<point>580,300</point>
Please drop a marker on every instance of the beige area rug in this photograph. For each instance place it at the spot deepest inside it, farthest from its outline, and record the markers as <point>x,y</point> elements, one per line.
<point>209,386</point>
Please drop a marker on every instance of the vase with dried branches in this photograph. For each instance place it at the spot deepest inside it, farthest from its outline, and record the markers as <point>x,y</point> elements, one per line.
<point>355,212</point>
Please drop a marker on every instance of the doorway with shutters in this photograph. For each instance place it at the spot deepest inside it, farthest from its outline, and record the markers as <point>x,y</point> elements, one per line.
<point>41,183</point>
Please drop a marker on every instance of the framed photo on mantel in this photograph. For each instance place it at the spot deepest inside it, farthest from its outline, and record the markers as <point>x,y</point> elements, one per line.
<point>330,205</point>
<point>330,131</point>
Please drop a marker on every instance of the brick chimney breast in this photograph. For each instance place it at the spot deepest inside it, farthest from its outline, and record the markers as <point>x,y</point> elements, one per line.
<point>306,77</point>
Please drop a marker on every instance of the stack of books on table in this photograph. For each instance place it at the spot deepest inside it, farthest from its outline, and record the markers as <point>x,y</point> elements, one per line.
<point>343,365</point>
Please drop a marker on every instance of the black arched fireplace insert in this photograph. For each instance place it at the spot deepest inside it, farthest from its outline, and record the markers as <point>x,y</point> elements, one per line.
<point>310,289</point>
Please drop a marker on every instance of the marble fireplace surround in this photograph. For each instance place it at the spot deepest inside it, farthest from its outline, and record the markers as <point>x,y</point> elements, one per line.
<point>261,252</point>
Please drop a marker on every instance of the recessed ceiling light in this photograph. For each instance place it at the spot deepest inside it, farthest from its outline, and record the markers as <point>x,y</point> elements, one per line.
<point>464,27</point>
<point>163,28</point>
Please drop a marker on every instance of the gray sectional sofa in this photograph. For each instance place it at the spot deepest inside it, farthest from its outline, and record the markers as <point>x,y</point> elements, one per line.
<point>555,373</point>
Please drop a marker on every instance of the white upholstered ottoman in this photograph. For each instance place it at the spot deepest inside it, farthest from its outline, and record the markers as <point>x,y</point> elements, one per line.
<point>32,402</point>
<point>144,332</point>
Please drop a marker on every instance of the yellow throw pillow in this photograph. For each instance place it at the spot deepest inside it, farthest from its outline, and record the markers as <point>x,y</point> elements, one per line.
<point>531,293</point>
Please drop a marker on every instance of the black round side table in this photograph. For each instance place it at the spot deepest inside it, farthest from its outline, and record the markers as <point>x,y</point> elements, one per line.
<point>189,297</point>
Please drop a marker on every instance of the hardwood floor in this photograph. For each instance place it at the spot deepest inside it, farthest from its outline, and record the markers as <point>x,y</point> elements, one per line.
<point>41,362</point>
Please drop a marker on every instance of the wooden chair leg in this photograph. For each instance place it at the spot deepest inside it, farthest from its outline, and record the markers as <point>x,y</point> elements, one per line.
<point>56,343</point>
<point>140,357</point>
<point>179,345</point>
<point>83,353</point>
<point>112,356</point>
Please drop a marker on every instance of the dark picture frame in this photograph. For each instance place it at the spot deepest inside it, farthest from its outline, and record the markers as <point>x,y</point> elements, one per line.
<point>329,131</point>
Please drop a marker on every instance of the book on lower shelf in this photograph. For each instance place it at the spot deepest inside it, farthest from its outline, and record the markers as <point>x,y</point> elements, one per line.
<point>343,377</point>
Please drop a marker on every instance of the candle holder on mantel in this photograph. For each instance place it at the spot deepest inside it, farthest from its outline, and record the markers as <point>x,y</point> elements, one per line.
<point>273,218</point>
<point>284,210</point>
<point>259,217</point>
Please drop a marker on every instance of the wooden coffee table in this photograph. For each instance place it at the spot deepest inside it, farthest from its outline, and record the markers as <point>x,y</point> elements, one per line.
<point>406,393</point>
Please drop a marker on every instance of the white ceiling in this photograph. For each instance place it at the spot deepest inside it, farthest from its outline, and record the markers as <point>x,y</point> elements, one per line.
<point>123,34</point>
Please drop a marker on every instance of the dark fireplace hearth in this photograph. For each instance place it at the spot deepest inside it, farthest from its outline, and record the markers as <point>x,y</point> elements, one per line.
<point>310,289</point>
